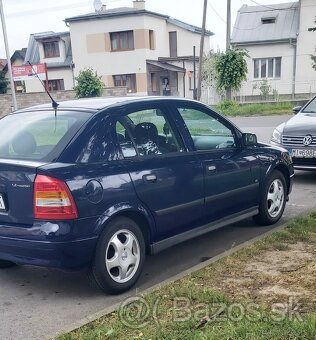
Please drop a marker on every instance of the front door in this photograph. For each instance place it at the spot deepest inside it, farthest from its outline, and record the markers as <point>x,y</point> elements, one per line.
<point>167,179</point>
<point>230,184</point>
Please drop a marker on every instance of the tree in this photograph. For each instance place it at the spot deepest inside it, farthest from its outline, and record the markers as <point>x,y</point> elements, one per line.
<point>208,70</point>
<point>4,83</point>
<point>231,69</point>
<point>89,84</point>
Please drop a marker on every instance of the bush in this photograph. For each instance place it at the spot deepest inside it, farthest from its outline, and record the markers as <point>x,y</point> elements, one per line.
<point>89,84</point>
<point>4,83</point>
<point>227,106</point>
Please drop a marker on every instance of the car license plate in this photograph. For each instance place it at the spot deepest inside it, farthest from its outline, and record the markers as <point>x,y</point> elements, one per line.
<point>2,205</point>
<point>301,153</point>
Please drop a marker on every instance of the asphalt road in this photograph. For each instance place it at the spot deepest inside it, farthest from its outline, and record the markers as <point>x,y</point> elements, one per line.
<point>35,302</point>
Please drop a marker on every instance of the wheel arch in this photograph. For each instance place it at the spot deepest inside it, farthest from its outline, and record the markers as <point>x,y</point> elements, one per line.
<point>139,218</point>
<point>285,172</point>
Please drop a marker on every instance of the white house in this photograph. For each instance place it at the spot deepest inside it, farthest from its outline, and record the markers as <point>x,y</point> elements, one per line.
<point>148,52</point>
<point>279,45</point>
<point>53,49</point>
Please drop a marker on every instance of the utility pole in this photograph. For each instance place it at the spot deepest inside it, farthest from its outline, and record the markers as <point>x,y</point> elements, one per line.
<point>202,51</point>
<point>194,73</point>
<point>228,28</point>
<point>6,44</point>
<point>228,32</point>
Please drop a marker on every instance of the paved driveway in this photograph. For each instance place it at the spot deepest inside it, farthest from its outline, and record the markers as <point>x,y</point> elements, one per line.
<point>35,302</point>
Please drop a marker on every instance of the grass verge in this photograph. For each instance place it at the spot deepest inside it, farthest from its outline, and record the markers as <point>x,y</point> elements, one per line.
<point>264,291</point>
<point>233,109</point>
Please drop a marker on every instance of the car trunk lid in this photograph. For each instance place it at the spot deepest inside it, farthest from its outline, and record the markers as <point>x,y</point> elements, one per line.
<point>16,191</point>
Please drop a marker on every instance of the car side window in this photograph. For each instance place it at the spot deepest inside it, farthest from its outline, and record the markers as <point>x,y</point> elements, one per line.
<point>147,132</point>
<point>207,132</point>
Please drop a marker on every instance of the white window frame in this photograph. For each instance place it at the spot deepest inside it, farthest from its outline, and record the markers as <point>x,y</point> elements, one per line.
<point>267,68</point>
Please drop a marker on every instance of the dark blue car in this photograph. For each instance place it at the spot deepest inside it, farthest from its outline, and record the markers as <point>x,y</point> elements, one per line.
<point>102,182</point>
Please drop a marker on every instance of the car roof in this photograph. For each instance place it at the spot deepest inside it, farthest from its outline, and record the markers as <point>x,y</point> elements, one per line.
<point>98,103</point>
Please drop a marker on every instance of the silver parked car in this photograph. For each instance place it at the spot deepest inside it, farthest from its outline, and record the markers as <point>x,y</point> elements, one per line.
<point>298,136</point>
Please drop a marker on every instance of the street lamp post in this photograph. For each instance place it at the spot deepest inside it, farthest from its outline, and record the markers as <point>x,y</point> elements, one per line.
<point>7,51</point>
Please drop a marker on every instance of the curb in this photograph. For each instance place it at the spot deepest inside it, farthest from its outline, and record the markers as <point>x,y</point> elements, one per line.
<point>109,310</point>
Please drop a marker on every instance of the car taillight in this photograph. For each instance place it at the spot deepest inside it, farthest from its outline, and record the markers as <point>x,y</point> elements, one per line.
<point>53,200</point>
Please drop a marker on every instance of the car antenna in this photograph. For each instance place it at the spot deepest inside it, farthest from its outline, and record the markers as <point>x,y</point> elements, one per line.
<point>54,103</point>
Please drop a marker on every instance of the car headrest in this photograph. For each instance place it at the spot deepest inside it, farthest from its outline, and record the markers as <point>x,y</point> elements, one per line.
<point>24,143</point>
<point>145,132</point>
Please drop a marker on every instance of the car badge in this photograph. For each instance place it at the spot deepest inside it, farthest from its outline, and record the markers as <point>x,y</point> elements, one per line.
<point>308,139</point>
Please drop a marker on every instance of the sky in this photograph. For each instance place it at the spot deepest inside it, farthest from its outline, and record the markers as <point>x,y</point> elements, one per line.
<point>24,17</point>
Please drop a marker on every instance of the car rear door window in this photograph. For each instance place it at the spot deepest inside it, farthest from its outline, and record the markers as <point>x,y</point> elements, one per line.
<point>207,132</point>
<point>147,132</point>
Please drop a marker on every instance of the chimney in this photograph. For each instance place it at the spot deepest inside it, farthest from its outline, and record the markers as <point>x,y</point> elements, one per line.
<point>139,4</point>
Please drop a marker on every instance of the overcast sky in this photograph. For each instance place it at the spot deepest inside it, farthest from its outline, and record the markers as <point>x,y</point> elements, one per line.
<point>32,16</point>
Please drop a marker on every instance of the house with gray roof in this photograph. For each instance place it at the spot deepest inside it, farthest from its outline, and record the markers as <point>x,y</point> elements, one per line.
<point>148,52</point>
<point>54,50</point>
<point>279,46</point>
<point>16,59</point>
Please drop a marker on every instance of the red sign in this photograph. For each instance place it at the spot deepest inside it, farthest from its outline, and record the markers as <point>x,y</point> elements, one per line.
<point>27,72</point>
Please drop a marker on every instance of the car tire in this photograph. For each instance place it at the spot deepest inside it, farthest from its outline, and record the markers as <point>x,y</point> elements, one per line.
<point>119,257</point>
<point>6,264</point>
<point>272,199</point>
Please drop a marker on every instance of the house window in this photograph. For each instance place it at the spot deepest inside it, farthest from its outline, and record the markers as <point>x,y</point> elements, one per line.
<point>51,49</point>
<point>151,39</point>
<point>268,20</point>
<point>56,85</point>
<point>173,44</point>
<point>128,80</point>
<point>19,86</point>
<point>122,41</point>
<point>267,68</point>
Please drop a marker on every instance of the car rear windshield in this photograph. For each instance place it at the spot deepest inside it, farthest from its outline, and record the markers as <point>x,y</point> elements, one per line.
<point>38,135</point>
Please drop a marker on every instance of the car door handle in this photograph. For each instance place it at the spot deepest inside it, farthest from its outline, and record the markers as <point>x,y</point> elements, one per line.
<point>150,178</point>
<point>211,168</point>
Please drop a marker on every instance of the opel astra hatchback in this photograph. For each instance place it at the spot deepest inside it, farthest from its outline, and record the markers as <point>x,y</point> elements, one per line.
<point>100,183</point>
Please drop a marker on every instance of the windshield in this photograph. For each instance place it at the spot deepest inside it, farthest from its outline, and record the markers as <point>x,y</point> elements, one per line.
<point>38,135</point>
<point>311,107</point>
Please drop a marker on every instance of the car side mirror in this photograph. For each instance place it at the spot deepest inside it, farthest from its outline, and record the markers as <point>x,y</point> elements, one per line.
<point>296,109</point>
<point>249,139</point>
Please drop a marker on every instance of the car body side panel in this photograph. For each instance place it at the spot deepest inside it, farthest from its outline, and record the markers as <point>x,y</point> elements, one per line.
<point>234,184</point>
<point>100,191</point>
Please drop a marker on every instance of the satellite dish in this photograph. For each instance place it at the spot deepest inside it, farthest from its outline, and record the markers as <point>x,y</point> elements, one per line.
<point>97,5</point>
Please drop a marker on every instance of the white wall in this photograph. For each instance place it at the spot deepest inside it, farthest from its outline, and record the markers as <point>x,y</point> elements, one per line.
<point>284,84</point>
<point>34,85</point>
<point>306,75</point>
<point>125,62</point>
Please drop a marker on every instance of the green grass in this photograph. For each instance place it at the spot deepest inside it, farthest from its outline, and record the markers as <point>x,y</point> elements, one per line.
<point>233,109</point>
<point>203,306</point>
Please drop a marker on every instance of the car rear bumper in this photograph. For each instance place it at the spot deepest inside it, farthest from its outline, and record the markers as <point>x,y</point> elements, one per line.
<point>65,255</point>
<point>46,244</point>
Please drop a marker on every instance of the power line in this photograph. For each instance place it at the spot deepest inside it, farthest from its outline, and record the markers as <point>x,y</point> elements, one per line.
<point>214,10</point>
<point>50,9</point>
<point>55,8</point>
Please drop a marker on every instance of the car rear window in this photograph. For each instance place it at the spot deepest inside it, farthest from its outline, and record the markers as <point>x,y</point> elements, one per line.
<point>38,135</point>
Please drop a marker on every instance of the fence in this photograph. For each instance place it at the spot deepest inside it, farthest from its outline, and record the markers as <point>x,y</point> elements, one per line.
<point>30,99</point>
<point>264,91</point>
